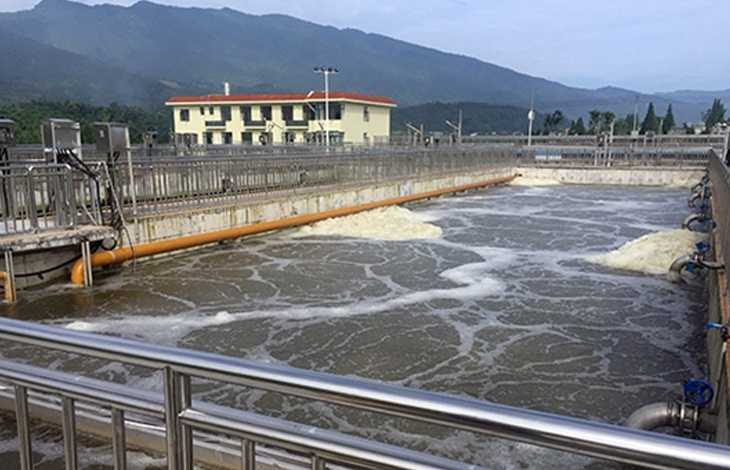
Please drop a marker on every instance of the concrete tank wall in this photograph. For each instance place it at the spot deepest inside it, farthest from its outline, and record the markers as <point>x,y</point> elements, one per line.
<point>190,222</point>
<point>633,176</point>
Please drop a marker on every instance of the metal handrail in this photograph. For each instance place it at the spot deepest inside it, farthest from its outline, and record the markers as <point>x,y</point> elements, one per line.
<point>181,414</point>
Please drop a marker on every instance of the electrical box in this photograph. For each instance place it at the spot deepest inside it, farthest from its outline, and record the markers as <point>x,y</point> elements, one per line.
<point>7,136</point>
<point>61,136</point>
<point>150,138</point>
<point>111,137</point>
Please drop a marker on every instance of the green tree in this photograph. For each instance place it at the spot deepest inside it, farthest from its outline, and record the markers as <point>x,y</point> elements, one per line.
<point>577,127</point>
<point>669,122</point>
<point>650,122</point>
<point>553,121</point>
<point>607,118</point>
<point>622,126</point>
<point>594,121</point>
<point>714,115</point>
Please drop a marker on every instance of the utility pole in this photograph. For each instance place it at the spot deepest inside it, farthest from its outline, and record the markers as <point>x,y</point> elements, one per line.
<point>326,71</point>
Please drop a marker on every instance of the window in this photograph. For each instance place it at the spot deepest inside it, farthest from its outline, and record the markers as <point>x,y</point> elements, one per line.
<point>208,138</point>
<point>366,114</point>
<point>338,112</point>
<point>185,115</point>
<point>211,110</point>
<point>245,113</point>
<point>287,113</point>
<point>266,113</point>
<point>202,110</point>
<point>247,138</point>
<point>227,138</point>
<point>225,113</point>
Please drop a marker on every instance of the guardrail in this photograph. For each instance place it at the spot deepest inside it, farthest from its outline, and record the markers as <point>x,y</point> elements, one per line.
<point>166,183</point>
<point>38,196</point>
<point>182,414</point>
<point>47,196</point>
<point>616,156</point>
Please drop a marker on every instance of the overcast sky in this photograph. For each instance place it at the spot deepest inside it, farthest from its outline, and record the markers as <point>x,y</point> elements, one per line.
<point>647,46</point>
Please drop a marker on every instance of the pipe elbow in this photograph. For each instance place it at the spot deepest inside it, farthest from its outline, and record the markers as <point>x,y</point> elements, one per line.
<point>676,415</point>
<point>694,217</point>
<point>678,264</point>
<point>77,273</point>
<point>653,416</point>
<point>693,198</point>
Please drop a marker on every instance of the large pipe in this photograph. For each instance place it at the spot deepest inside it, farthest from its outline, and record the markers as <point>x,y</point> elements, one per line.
<point>120,255</point>
<point>677,415</point>
<point>8,287</point>
<point>701,217</point>
<point>678,264</point>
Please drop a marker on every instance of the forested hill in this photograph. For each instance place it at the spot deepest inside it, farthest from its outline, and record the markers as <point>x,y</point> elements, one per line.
<point>159,51</point>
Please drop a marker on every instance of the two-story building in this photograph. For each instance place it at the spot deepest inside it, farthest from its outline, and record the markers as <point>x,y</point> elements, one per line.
<point>281,119</point>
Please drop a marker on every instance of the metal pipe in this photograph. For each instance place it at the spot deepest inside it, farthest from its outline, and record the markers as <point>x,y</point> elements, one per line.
<point>121,255</point>
<point>569,434</point>
<point>701,217</point>
<point>677,415</point>
<point>678,264</point>
<point>675,270</point>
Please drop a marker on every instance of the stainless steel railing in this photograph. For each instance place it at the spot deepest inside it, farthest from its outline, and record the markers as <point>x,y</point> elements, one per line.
<point>182,414</point>
<point>46,196</point>
<point>42,196</point>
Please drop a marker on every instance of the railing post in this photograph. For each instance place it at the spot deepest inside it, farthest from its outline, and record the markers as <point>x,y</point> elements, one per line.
<point>119,444</point>
<point>21,417</point>
<point>68,415</point>
<point>86,262</point>
<point>248,454</point>
<point>179,437</point>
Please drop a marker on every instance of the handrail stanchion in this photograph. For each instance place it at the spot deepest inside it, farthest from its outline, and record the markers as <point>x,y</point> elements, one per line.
<point>23,424</point>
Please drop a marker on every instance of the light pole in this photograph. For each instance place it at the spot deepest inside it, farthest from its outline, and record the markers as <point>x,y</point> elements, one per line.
<point>326,71</point>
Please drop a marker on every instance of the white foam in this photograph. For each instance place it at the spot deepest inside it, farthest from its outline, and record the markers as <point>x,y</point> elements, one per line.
<point>529,181</point>
<point>653,253</point>
<point>385,223</point>
<point>80,326</point>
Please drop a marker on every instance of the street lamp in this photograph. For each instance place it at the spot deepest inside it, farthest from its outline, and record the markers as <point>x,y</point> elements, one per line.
<point>326,71</point>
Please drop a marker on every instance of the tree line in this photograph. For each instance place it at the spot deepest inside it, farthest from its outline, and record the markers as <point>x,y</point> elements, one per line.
<point>602,121</point>
<point>29,116</point>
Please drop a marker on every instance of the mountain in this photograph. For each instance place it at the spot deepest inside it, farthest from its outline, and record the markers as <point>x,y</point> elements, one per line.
<point>148,52</point>
<point>31,70</point>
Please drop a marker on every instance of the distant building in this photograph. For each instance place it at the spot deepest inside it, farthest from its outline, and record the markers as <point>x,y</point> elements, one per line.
<point>282,119</point>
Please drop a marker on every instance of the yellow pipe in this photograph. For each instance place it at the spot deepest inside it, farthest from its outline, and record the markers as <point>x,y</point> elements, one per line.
<point>7,287</point>
<point>121,255</point>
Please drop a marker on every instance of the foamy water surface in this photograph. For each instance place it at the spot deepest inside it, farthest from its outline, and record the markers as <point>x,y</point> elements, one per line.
<point>504,302</point>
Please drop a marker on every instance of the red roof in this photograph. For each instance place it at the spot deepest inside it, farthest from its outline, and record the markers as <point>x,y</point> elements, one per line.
<point>313,96</point>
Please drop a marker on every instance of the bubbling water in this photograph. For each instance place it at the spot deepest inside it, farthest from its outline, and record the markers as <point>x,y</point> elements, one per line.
<point>503,306</point>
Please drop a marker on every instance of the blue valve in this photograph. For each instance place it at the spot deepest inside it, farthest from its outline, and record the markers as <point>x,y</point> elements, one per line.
<point>690,267</point>
<point>698,392</point>
<point>724,334</point>
<point>704,207</point>
<point>702,247</point>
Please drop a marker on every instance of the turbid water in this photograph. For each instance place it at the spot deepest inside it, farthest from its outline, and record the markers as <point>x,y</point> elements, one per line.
<point>498,298</point>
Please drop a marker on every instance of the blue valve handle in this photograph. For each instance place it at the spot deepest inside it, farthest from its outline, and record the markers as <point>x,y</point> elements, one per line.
<point>698,392</point>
